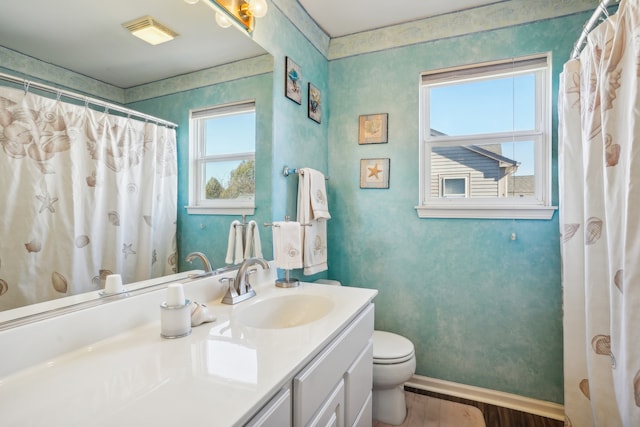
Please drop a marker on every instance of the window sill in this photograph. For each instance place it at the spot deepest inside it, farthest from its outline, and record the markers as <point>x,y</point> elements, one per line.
<point>220,210</point>
<point>486,212</point>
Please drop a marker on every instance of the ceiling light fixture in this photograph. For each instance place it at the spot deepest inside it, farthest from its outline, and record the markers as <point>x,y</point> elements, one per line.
<point>150,30</point>
<point>238,12</point>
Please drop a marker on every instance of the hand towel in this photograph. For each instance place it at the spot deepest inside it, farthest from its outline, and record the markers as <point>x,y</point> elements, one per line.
<point>287,244</point>
<point>239,252</point>
<point>315,181</point>
<point>252,244</point>
<point>315,234</point>
<point>231,242</point>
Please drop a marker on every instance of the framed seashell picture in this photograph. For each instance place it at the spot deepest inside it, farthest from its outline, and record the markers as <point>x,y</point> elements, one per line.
<point>373,129</point>
<point>315,105</point>
<point>293,80</point>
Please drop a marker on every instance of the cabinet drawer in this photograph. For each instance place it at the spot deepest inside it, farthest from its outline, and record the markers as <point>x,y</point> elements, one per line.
<point>358,384</point>
<point>276,413</point>
<point>312,385</point>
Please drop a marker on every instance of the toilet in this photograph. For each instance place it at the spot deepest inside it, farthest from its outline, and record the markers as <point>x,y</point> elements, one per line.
<point>394,363</point>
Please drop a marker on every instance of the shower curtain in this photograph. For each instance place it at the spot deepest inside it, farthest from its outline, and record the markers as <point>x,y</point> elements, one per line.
<point>599,165</point>
<point>84,194</point>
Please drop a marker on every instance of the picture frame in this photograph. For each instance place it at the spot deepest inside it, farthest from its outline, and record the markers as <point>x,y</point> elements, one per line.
<point>293,80</point>
<point>314,109</point>
<point>373,129</point>
<point>374,173</point>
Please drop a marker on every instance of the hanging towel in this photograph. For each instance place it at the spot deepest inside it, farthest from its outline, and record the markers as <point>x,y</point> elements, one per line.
<point>239,252</point>
<point>311,186</point>
<point>315,181</point>
<point>252,244</point>
<point>231,242</point>
<point>287,244</point>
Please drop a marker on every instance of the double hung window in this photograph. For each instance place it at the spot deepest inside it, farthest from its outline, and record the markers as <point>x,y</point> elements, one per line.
<point>485,141</point>
<point>222,146</point>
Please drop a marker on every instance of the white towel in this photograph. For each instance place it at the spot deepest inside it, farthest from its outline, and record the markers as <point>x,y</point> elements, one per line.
<point>314,235</point>
<point>239,257</point>
<point>314,180</point>
<point>235,245</point>
<point>287,244</point>
<point>252,244</point>
<point>231,242</point>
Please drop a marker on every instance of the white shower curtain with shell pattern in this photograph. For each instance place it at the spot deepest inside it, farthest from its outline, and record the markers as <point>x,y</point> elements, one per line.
<point>599,173</point>
<point>84,194</point>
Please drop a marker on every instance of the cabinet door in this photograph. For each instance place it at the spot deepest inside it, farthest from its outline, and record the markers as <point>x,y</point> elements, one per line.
<point>277,413</point>
<point>365,418</point>
<point>358,382</point>
<point>331,413</point>
<point>314,383</point>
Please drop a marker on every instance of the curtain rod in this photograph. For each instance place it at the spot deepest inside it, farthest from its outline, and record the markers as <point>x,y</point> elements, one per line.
<point>590,25</point>
<point>86,99</point>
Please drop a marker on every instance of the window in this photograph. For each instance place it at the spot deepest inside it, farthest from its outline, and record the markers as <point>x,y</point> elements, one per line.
<point>485,141</point>
<point>222,146</point>
<point>453,186</point>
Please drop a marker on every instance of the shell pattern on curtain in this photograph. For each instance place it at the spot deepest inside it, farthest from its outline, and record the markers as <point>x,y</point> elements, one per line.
<point>599,164</point>
<point>84,194</point>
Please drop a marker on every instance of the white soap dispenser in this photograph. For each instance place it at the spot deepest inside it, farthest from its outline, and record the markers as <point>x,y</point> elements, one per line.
<point>175,314</point>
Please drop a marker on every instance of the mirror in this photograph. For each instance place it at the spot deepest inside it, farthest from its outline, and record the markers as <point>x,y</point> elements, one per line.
<point>69,40</point>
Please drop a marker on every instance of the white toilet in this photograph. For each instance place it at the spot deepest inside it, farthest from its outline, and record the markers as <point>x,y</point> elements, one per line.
<point>394,363</point>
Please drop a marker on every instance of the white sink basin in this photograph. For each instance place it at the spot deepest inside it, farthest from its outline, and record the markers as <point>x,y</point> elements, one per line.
<point>285,311</point>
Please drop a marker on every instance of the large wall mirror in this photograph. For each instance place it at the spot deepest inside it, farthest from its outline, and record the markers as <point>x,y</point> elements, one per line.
<point>83,47</point>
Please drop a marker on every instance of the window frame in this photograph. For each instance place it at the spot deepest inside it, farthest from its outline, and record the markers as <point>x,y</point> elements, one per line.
<point>198,204</point>
<point>536,207</point>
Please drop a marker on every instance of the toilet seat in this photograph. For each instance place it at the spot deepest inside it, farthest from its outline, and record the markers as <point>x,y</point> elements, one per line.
<point>390,348</point>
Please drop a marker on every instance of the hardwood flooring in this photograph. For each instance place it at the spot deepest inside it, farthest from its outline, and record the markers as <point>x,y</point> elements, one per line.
<point>494,416</point>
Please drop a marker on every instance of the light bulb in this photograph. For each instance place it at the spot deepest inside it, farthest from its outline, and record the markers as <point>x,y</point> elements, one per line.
<point>191,1</point>
<point>222,20</point>
<point>258,8</point>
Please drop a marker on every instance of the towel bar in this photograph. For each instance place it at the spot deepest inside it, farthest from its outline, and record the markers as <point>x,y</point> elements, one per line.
<point>288,171</point>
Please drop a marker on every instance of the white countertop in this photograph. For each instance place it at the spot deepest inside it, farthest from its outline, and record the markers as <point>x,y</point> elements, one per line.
<point>218,376</point>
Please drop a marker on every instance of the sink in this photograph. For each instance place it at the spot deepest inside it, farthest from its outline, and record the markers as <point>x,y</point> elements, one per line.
<point>285,311</point>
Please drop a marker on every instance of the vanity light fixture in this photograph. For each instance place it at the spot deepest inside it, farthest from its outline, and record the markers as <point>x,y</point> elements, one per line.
<point>150,30</point>
<point>241,13</point>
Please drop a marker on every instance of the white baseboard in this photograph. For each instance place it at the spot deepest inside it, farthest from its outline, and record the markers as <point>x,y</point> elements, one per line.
<point>493,397</point>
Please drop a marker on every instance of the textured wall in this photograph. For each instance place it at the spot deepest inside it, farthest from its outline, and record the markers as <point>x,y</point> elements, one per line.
<point>209,233</point>
<point>480,308</point>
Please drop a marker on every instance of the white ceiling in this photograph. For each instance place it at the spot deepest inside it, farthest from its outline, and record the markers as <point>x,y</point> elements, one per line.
<point>87,36</point>
<point>340,17</point>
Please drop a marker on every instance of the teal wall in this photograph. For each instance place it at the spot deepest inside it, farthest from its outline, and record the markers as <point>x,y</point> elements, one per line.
<point>480,308</point>
<point>208,233</point>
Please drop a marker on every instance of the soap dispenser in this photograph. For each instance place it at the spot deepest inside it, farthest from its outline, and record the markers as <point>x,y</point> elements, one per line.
<point>175,314</point>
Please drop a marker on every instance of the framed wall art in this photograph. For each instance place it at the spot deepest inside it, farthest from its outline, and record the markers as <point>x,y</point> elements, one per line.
<point>293,79</point>
<point>373,129</point>
<point>374,173</point>
<point>315,104</point>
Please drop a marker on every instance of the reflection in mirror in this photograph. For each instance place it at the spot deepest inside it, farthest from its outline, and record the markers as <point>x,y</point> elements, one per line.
<point>38,139</point>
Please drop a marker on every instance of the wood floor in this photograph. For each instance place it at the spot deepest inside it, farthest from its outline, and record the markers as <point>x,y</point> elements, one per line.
<point>494,416</point>
<point>427,411</point>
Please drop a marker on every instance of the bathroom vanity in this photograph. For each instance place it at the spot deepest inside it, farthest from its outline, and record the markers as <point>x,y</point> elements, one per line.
<point>287,357</point>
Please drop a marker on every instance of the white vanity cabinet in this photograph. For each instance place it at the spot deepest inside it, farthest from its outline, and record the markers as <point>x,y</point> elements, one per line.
<point>334,389</point>
<point>276,413</point>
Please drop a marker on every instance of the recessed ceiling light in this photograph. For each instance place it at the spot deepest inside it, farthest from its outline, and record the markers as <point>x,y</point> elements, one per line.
<point>150,30</point>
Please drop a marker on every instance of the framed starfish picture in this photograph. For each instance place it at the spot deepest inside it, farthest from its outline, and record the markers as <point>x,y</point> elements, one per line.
<point>374,173</point>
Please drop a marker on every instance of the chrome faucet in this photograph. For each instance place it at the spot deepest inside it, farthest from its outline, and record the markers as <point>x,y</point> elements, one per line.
<point>239,288</point>
<point>208,271</point>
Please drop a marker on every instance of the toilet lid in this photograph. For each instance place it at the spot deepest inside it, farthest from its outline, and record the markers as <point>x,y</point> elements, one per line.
<point>391,348</point>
